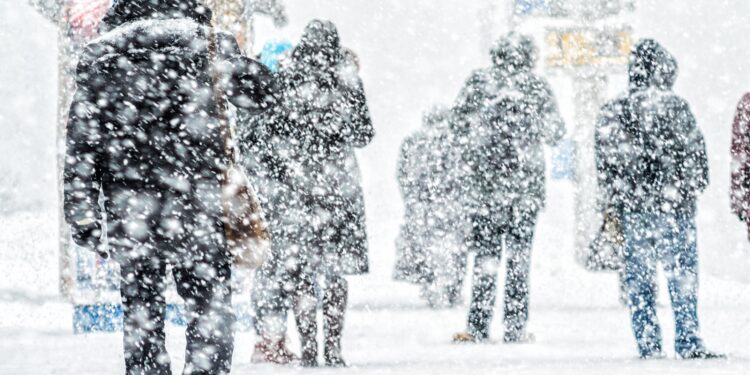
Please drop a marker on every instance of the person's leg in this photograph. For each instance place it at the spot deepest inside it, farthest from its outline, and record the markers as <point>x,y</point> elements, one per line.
<point>483,294</point>
<point>487,245</point>
<point>518,245</point>
<point>305,305</point>
<point>640,270</point>
<point>205,286</point>
<point>335,299</point>
<point>680,260</point>
<point>142,292</point>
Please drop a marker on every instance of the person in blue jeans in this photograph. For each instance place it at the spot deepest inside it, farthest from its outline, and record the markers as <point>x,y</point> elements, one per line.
<point>671,240</point>
<point>652,165</point>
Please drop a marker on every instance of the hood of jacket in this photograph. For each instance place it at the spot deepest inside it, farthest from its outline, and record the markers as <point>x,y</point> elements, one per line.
<point>125,11</point>
<point>651,66</point>
<point>514,53</point>
<point>319,46</point>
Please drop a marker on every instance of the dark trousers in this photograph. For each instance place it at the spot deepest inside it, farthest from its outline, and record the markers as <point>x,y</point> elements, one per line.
<point>205,288</point>
<point>518,239</point>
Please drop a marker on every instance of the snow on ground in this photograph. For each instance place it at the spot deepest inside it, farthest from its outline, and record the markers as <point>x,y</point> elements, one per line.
<point>579,325</point>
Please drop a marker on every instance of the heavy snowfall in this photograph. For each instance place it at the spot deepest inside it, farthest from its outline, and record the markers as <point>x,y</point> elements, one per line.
<point>388,278</point>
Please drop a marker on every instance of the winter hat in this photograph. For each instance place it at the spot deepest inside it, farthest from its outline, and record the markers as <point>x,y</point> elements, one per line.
<point>514,52</point>
<point>125,11</point>
<point>320,44</point>
<point>651,65</point>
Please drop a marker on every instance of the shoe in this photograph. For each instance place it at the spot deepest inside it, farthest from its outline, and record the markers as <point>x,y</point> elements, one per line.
<point>522,338</point>
<point>466,338</point>
<point>653,356</point>
<point>702,354</point>
<point>335,360</point>
<point>275,352</point>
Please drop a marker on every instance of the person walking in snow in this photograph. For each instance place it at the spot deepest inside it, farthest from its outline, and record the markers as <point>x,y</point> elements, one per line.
<point>652,164</point>
<point>322,117</point>
<point>143,131</point>
<point>271,300</point>
<point>510,113</point>
<point>430,246</point>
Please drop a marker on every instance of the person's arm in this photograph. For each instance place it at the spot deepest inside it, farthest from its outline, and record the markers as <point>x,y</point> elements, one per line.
<point>605,154</point>
<point>83,166</point>
<point>357,130</point>
<point>695,163</point>
<point>552,121</point>
<point>740,152</point>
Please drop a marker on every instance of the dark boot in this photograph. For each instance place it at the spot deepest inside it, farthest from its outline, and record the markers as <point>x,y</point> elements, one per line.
<point>334,310</point>
<point>305,311</point>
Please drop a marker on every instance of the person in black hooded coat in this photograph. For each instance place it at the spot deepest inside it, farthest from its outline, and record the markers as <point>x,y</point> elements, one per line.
<point>652,166</point>
<point>143,132</point>
<point>321,118</point>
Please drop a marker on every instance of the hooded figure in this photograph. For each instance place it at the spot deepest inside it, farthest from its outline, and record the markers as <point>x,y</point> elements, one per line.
<point>322,117</point>
<point>143,132</point>
<point>652,165</point>
<point>507,114</point>
<point>430,245</point>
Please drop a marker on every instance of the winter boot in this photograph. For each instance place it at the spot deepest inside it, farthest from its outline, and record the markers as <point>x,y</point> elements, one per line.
<point>305,311</point>
<point>702,353</point>
<point>273,351</point>
<point>518,338</point>
<point>334,310</point>
<point>466,338</point>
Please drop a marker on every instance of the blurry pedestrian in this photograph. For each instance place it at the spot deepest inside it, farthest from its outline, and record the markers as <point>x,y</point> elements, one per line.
<point>741,160</point>
<point>430,246</point>
<point>651,158</point>
<point>322,118</point>
<point>510,113</point>
<point>143,131</point>
<point>263,152</point>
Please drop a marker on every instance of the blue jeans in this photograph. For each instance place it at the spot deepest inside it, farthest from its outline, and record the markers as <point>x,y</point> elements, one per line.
<point>671,240</point>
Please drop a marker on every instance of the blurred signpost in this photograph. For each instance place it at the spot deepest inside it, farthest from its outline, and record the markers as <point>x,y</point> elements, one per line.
<point>586,40</point>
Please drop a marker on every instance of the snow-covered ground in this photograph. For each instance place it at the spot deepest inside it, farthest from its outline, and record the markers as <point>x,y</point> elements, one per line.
<point>579,325</point>
<point>413,54</point>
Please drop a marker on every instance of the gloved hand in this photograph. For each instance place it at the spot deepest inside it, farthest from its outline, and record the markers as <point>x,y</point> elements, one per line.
<point>88,235</point>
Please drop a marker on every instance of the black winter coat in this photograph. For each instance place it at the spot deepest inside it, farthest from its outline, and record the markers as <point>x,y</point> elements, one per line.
<point>143,129</point>
<point>507,113</point>
<point>650,153</point>
<point>321,118</point>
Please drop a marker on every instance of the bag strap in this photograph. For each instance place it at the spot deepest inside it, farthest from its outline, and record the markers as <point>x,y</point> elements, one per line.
<point>220,98</point>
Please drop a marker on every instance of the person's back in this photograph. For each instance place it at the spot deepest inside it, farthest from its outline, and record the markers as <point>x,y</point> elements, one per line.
<point>144,131</point>
<point>514,114</point>
<point>652,155</point>
<point>651,161</point>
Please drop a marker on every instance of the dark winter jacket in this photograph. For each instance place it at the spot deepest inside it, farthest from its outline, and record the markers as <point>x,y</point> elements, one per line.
<point>650,154</point>
<point>143,127</point>
<point>740,190</point>
<point>322,117</point>
<point>508,113</point>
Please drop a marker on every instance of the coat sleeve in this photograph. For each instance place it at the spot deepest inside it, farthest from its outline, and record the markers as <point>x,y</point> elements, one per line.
<point>552,121</point>
<point>605,154</point>
<point>83,165</point>
<point>740,151</point>
<point>357,130</point>
<point>695,160</point>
